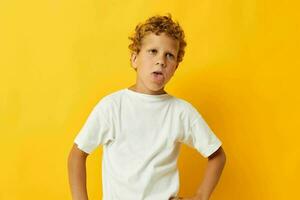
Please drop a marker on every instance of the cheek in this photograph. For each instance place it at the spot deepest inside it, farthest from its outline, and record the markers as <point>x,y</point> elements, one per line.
<point>171,71</point>
<point>148,60</point>
<point>172,68</point>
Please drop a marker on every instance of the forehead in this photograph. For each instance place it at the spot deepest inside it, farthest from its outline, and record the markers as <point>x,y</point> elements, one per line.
<point>162,40</point>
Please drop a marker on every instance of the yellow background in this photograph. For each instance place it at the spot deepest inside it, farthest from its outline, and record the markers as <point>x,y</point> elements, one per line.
<point>241,70</point>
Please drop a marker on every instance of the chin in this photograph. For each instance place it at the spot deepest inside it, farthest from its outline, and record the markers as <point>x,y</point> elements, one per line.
<point>155,87</point>
<point>157,90</point>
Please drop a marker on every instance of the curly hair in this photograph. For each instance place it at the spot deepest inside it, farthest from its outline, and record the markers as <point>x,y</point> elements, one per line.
<point>158,24</point>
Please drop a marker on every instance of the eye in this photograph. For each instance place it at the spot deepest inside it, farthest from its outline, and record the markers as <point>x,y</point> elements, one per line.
<point>169,55</point>
<point>152,51</point>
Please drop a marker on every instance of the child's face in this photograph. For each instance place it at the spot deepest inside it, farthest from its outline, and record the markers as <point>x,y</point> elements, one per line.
<point>158,53</point>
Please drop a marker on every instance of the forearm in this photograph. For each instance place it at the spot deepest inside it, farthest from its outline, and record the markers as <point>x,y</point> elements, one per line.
<point>212,175</point>
<point>77,178</point>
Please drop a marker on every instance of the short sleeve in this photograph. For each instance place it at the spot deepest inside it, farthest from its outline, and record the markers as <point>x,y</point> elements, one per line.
<point>199,135</point>
<point>95,130</point>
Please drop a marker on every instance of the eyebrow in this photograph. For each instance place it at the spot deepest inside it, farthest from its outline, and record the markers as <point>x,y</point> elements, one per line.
<point>167,51</point>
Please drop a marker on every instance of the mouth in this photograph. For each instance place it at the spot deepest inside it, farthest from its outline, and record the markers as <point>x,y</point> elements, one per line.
<point>157,73</point>
<point>158,76</point>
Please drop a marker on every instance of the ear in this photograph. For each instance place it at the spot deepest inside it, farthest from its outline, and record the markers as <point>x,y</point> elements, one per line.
<point>133,60</point>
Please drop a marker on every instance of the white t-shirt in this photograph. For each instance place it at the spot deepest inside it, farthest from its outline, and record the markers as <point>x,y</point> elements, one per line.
<point>141,136</point>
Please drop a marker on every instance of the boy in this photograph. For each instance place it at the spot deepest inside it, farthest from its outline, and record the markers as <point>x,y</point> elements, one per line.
<point>141,127</point>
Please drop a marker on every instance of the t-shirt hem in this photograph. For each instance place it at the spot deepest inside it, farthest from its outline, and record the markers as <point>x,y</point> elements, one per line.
<point>212,149</point>
<point>81,147</point>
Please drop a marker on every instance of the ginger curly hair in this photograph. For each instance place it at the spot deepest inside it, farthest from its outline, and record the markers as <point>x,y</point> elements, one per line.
<point>158,24</point>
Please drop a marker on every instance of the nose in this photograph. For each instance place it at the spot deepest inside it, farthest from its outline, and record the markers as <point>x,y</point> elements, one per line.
<point>161,61</point>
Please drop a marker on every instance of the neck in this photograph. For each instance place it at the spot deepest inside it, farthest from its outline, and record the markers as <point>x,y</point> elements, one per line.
<point>140,90</point>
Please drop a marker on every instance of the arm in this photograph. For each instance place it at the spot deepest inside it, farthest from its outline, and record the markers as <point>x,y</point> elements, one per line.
<point>77,173</point>
<point>215,165</point>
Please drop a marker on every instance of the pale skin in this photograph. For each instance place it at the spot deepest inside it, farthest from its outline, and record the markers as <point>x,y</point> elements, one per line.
<point>158,52</point>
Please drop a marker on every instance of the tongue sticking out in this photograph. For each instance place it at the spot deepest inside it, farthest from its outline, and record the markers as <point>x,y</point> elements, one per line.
<point>158,77</point>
